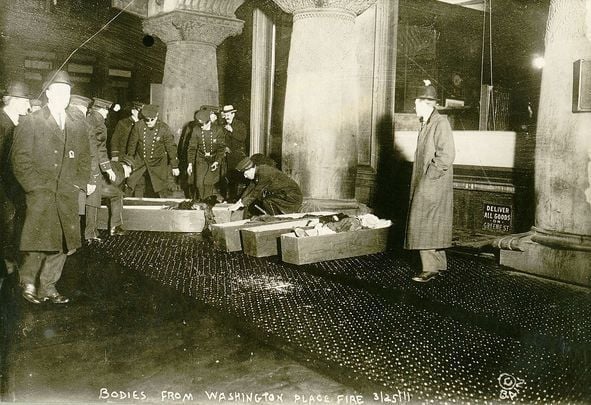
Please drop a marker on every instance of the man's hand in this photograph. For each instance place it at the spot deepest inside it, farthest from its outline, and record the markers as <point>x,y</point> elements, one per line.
<point>190,169</point>
<point>112,175</point>
<point>126,170</point>
<point>214,166</point>
<point>236,206</point>
<point>228,127</point>
<point>176,172</point>
<point>90,188</point>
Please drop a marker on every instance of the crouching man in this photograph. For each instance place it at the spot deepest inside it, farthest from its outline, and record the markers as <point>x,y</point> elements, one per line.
<point>274,190</point>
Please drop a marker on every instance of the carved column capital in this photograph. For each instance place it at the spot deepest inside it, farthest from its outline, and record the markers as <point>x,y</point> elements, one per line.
<point>307,7</point>
<point>192,26</point>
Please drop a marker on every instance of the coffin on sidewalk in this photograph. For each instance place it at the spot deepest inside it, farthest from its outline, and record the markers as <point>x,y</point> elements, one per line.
<point>155,214</point>
<point>312,249</point>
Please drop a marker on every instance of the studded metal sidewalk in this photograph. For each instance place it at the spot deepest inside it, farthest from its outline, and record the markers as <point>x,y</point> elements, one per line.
<point>477,334</point>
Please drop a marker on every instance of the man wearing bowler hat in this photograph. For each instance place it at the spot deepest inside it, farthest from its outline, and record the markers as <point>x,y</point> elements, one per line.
<point>151,146</point>
<point>236,138</point>
<point>16,105</point>
<point>429,223</point>
<point>51,160</point>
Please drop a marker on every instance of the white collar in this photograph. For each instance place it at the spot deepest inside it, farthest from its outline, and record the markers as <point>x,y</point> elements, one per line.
<point>57,115</point>
<point>13,115</point>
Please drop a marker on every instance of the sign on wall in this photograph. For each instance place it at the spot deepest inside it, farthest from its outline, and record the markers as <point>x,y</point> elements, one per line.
<point>497,218</point>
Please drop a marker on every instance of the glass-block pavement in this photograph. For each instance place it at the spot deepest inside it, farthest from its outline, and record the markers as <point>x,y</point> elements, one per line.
<point>477,334</point>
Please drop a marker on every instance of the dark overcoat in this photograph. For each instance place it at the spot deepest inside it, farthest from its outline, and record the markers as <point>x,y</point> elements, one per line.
<point>202,143</point>
<point>152,149</point>
<point>236,141</point>
<point>52,166</point>
<point>430,218</point>
<point>120,137</point>
<point>275,189</point>
<point>99,157</point>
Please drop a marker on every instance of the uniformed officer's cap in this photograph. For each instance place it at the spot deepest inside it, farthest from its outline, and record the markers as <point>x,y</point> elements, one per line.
<point>150,110</point>
<point>76,99</point>
<point>101,103</point>
<point>203,115</point>
<point>137,105</point>
<point>57,76</point>
<point>244,164</point>
<point>17,89</point>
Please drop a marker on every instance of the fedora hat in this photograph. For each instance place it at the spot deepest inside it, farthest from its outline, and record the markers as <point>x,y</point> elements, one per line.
<point>228,109</point>
<point>427,91</point>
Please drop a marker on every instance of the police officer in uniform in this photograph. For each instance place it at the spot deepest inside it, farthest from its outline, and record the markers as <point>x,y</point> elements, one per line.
<point>151,145</point>
<point>274,190</point>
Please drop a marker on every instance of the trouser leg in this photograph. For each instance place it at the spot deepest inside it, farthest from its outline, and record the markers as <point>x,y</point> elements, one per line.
<point>433,260</point>
<point>50,273</point>
<point>116,212</point>
<point>31,266</point>
<point>90,231</point>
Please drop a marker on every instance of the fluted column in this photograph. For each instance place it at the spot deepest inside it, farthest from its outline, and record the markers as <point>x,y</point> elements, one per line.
<point>561,246</point>
<point>192,32</point>
<point>320,119</point>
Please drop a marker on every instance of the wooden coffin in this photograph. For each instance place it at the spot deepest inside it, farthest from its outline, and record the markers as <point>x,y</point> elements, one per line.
<point>312,249</point>
<point>227,236</point>
<point>222,215</point>
<point>156,218</point>
<point>263,241</point>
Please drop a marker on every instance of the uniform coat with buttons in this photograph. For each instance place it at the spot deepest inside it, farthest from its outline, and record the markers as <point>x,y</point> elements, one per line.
<point>206,147</point>
<point>52,165</point>
<point>429,224</point>
<point>152,149</point>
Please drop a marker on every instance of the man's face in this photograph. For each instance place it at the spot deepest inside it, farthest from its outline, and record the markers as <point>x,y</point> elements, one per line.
<point>422,107</point>
<point>135,112</point>
<point>204,124</point>
<point>213,117</point>
<point>58,95</point>
<point>229,116</point>
<point>22,105</point>
<point>249,173</point>
<point>150,122</point>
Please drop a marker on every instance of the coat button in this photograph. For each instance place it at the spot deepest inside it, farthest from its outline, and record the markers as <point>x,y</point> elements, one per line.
<point>55,164</point>
<point>55,151</point>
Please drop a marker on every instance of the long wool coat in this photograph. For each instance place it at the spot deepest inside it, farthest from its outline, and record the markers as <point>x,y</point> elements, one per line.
<point>52,166</point>
<point>429,224</point>
<point>152,149</point>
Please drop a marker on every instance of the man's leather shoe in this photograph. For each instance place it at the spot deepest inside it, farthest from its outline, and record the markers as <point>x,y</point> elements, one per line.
<point>118,231</point>
<point>425,276</point>
<point>30,294</point>
<point>56,298</point>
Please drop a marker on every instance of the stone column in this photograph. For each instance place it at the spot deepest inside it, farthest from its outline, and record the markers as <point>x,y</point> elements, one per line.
<point>320,118</point>
<point>190,71</point>
<point>560,245</point>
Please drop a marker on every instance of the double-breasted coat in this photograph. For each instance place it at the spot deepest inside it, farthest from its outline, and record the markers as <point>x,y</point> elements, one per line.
<point>152,149</point>
<point>52,165</point>
<point>205,147</point>
<point>430,218</point>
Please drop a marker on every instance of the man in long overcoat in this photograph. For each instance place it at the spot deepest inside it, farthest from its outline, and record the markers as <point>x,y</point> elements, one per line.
<point>16,105</point>
<point>151,146</point>
<point>236,139</point>
<point>120,137</point>
<point>429,225</point>
<point>50,159</point>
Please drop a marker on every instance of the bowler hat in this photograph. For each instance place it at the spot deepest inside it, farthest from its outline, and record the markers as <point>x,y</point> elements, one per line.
<point>57,76</point>
<point>427,91</point>
<point>17,89</point>
<point>228,109</point>
<point>244,164</point>
<point>76,99</point>
<point>101,103</point>
<point>150,110</point>
<point>203,115</point>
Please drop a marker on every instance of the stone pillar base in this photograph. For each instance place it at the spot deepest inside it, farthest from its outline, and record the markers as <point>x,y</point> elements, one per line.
<point>571,266</point>
<point>349,207</point>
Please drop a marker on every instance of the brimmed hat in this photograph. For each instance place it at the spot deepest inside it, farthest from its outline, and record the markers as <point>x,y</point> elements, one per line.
<point>203,115</point>
<point>138,105</point>
<point>228,109</point>
<point>150,110</point>
<point>101,103</point>
<point>17,89</point>
<point>427,92</point>
<point>57,76</point>
<point>244,164</point>
<point>76,99</point>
